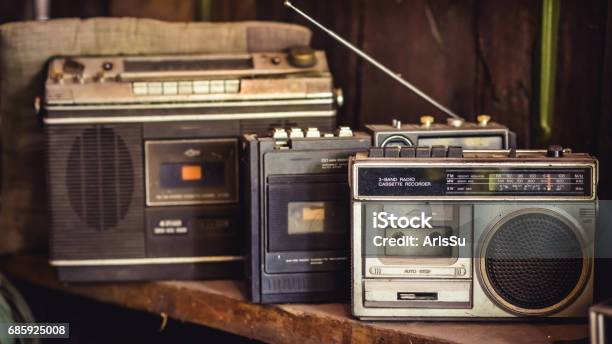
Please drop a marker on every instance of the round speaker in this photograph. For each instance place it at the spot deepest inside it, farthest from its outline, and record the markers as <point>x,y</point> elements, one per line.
<point>100,177</point>
<point>532,262</point>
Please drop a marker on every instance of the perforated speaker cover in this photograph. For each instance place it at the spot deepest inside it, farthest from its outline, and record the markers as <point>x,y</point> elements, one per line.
<point>533,261</point>
<point>100,177</point>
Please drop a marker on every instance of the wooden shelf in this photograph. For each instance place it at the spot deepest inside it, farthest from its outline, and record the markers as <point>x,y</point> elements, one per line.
<point>222,305</point>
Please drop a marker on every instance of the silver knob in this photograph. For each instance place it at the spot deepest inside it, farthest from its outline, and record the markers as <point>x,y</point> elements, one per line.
<point>396,123</point>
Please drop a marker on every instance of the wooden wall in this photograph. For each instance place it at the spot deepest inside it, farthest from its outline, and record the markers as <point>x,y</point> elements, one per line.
<point>476,56</point>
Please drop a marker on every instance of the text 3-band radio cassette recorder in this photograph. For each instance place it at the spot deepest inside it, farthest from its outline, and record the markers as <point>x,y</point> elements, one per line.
<point>445,233</point>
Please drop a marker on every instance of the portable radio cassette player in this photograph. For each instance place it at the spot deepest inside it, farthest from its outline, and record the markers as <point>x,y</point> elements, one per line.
<point>297,208</point>
<point>456,132</point>
<point>143,156</point>
<point>445,233</point>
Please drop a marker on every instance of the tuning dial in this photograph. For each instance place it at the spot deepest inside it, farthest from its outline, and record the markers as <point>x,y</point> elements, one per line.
<point>554,151</point>
<point>483,120</point>
<point>427,120</point>
<point>302,57</point>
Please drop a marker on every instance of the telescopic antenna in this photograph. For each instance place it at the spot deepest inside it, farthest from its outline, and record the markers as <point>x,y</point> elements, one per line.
<point>377,64</point>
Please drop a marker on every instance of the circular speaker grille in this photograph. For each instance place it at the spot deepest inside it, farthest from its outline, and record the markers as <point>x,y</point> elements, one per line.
<point>100,177</point>
<point>533,262</point>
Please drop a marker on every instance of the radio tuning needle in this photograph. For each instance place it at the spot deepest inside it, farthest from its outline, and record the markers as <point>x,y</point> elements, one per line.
<point>371,60</point>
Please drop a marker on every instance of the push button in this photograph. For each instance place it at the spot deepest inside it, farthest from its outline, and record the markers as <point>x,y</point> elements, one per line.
<point>140,88</point>
<point>201,87</point>
<point>438,152</point>
<point>423,152</point>
<point>232,86</point>
<point>408,152</point>
<point>185,87</point>
<point>392,152</point>
<point>217,86</point>
<point>155,88</point>
<point>376,152</point>
<point>455,152</point>
<point>170,87</point>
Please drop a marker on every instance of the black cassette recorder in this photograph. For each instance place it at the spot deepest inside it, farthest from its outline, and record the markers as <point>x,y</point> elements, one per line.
<point>143,156</point>
<point>449,234</point>
<point>297,210</point>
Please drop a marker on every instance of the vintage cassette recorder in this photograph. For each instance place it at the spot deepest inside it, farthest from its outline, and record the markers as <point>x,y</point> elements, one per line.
<point>483,134</point>
<point>446,233</point>
<point>143,156</point>
<point>297,208</point>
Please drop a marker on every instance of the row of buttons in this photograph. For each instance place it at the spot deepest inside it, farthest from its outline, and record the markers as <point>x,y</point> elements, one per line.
<point>169,230</point>
<point>185,87</point>
<point>281,133</point>
<point>417,152</point>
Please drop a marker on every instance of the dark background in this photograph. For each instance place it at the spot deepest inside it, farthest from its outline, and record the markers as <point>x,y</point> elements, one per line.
<point>475,56</point>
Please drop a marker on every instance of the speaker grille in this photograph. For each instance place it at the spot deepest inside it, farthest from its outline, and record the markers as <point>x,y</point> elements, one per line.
<point>534,261</point>
<point>100,178</point>
<point>95,181</point>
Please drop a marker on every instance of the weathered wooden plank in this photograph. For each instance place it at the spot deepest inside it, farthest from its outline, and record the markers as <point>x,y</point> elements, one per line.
<point>579,83</point>
<point>221,305</point>
<point>506,42</point>
<point>604,150</point>
<point>177,10</point>
<point>11,11</point>
<point>79,9</point>
<point>431,44</point>
<point>233,10</point>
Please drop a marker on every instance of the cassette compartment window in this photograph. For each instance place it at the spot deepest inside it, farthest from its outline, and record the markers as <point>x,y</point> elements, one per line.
<point>191,171</point>
<point>444,224</point>
<point>307,216</point>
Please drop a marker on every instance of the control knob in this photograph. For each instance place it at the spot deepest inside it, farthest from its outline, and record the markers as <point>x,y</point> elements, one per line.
<point>554,151</point>
<point>302,57</point>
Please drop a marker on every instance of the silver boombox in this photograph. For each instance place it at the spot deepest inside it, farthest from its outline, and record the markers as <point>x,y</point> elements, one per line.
<point>484,134</point>
<point>449,234</point>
